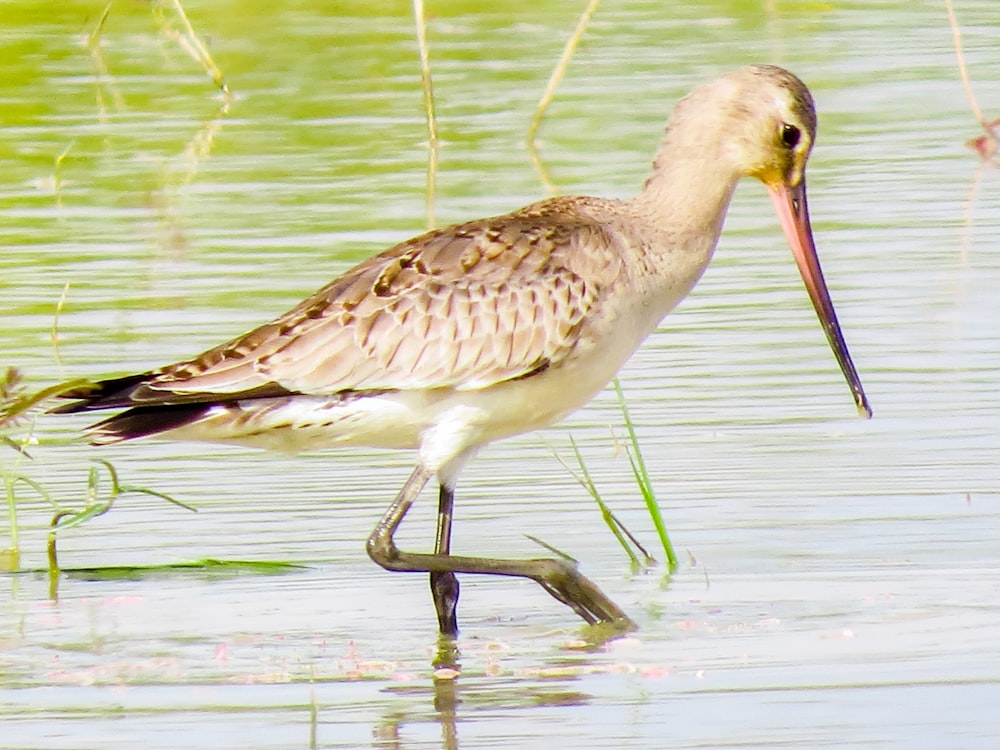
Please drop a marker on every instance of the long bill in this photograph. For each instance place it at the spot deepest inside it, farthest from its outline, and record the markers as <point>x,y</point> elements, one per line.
<point>793,212</point>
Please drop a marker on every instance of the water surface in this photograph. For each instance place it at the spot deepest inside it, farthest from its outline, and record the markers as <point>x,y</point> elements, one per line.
<point>840,577</point>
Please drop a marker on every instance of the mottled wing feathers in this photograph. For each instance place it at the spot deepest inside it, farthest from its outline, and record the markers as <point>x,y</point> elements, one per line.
<point>463,307</point>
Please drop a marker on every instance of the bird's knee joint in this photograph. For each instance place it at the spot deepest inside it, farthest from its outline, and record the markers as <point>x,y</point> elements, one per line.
<point>556,571</point>
<point>382,550</point>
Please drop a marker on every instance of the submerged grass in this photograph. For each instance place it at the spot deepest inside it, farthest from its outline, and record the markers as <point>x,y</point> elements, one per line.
<point>558,73</point>
<point>100,497</point>
<point>426,84</point>
<point>95,505</point>
<point>17,403</point>
<point>189,41</point>
<point>985,145</point>
<point>206,568</point>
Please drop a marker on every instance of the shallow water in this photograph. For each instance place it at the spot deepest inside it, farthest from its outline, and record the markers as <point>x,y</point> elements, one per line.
<point>839,578</point>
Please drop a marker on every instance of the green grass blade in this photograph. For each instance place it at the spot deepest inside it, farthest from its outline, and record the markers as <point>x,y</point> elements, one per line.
<point>115,486</point>
<point>161,495</point>
<point>554,550</point>
<point>19,447</point>
<point>42,492</point>
<point>67,520</point>
<point>15,549</point>
<point>643,481</point>
<point>15,407</point>
<point>587,482</point>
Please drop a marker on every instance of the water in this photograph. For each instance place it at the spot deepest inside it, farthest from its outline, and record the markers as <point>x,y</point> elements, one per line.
<point>839,578</point>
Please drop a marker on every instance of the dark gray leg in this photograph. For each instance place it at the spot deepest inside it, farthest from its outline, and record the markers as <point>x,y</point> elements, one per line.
<point>444,584</point>
<point>559,577</point>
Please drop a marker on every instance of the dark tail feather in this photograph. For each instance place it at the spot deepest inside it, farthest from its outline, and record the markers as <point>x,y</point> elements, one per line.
<point>149,410</point>
<point>142,421</point>
<point>105,394</point>
<point>135,390</point>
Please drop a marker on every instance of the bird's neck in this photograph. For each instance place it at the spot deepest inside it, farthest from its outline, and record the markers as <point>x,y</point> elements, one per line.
<point>687,196</point>
<point>681,210</point>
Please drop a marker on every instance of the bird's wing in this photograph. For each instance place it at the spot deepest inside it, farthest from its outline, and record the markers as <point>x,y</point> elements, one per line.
<point>463,307</point>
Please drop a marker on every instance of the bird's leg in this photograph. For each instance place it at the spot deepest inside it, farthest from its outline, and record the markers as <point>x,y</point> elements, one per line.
<point>381,547</point>
<point>559,577</point>
<point>444,584</point>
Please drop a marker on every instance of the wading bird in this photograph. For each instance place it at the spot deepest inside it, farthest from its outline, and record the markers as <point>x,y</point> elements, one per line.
<point>494,327</point>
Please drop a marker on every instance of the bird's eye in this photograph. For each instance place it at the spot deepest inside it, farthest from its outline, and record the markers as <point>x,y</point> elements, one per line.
<point>790,135</point>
